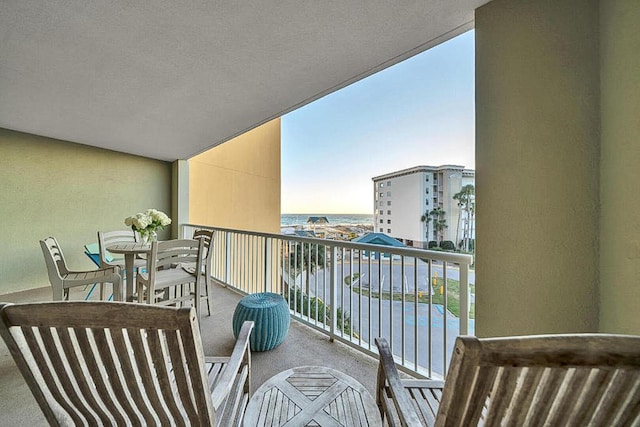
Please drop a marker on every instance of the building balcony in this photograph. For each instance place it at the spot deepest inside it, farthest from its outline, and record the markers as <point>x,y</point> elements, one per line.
<point>558,249</point>
<point>354,292</point>
<point>340,300</point>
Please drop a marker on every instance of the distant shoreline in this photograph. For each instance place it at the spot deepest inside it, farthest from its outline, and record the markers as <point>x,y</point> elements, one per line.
<point>332,214</point>
<point>298,220</point>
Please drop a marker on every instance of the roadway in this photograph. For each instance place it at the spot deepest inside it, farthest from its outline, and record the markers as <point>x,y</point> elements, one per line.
<point>410,320</point>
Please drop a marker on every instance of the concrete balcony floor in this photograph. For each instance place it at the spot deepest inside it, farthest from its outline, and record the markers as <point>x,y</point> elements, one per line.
<point>303,346</point>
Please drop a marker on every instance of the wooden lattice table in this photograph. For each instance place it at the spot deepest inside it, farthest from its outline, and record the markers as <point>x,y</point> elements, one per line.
<point>312,396</point>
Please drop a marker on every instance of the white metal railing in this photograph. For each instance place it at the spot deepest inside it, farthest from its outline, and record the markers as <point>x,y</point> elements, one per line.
<point>417,299</point>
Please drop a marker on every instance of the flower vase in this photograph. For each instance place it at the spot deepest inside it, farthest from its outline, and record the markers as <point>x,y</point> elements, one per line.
<point>149,236</point>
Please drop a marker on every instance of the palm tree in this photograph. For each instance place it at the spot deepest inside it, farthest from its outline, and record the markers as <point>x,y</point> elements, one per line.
<point>439,221</point>
<point>307,257</point>
<point>426,218</point>
<point>456,197</point>
<point>466,202</point>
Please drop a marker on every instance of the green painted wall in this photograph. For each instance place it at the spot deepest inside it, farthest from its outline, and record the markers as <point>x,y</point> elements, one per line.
<point>620,166</point>
<point>70,191</point>
<point>558,108</point>
<point>537,166</point>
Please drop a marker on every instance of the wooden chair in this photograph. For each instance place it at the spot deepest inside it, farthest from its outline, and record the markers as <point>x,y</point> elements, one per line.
<point>108,238</point>
<point>98,363</point>
<point>207,237</point>
<point>62,279</point>
<point>550,380</point>
<point>170,275</point>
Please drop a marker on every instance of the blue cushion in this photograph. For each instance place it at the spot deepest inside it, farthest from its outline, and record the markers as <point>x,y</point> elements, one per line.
<point>270,313</point>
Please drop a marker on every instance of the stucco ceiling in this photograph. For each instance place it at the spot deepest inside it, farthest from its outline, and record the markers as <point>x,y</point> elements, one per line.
<point>168,79</point>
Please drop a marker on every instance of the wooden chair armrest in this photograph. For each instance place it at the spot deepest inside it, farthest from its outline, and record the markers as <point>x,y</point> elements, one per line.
<point>415,383</point>
<point>107,270</point>
<point>388,376</point>
<point>113,270</point>
<point>224,386</point>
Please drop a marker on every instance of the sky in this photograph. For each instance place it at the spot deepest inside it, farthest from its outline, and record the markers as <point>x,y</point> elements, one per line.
<point>417,112</point>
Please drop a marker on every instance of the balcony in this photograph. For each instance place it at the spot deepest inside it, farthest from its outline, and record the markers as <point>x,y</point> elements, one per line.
<point>341,334</point>
<point>303,346</point>
<point>557,253</point>
<point>353,292</point>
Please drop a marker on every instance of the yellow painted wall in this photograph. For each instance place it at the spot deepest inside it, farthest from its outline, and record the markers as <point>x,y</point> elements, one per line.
<point>237,184</point>
<point>537,167</point>
<point>620,167</point>
<point>70,191</point>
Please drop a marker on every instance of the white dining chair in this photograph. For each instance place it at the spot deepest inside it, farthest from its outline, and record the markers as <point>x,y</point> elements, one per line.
<point>62,278</point>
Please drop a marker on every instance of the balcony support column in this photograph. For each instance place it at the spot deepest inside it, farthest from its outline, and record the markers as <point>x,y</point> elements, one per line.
<point>180,196</point>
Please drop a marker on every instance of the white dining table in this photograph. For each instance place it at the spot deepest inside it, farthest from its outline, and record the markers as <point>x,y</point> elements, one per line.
<point>130,252</point>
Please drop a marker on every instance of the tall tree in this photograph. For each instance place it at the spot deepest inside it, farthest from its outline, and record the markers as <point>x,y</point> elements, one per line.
<point>439,221</point>
<point>307,257</point>
<point>426,218</point>
<point>457,241</point>
<point>466,202</point>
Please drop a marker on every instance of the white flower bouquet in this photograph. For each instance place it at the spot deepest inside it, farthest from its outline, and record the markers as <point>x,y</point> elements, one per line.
<point>147,223</point>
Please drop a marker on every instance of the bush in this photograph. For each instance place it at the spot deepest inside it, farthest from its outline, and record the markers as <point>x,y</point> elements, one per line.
<point>302,303</point>
<point>433,244</point>
<point>447,245</point>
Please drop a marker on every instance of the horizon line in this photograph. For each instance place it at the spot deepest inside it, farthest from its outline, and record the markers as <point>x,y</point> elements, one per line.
<point>316,214</point>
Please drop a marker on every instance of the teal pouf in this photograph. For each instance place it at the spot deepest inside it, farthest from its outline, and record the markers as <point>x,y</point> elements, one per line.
<point>270,313</point>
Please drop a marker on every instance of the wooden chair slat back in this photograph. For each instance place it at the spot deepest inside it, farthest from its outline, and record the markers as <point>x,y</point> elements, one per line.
<point>108,238</point>
<point>207,236</point>
<point>110,363</point>
<point>580,379</point>
<point>118,236</point>
<point>102,391</point>
<point>54,259</point>
<point>173,253</point>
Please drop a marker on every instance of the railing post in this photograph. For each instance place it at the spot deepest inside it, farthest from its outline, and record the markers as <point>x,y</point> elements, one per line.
<point>267,265</point>
<point>464,299</point>
<point>227,258</point>
<point>333,303</point>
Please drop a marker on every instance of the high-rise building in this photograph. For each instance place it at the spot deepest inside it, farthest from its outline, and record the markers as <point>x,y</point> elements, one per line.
<point>401,198</point>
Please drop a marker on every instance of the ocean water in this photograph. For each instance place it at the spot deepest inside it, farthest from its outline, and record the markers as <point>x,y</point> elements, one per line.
<point>289,220</point>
